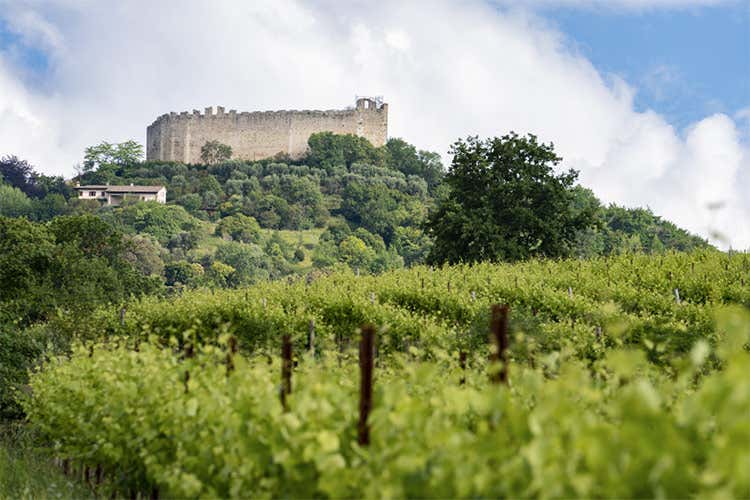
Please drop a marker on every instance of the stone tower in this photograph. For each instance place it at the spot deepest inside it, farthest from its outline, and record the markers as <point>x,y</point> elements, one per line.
<point>260,134</point>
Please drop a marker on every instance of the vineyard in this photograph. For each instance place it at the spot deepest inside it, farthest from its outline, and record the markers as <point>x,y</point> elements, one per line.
<point>616,377</point>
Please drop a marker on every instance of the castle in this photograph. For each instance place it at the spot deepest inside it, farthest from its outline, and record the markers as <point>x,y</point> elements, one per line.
<point>260,134</point>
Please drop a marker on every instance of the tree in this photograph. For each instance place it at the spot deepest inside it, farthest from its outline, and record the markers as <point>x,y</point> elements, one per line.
<point>183,272</point>
<point>249,262</point>
<point>402,156</point>
<point>329,150</point>
<point>14,202</point>
<point>19,174</point>
<point>374,206</point>
<point>26,254</point>
<point>160,221</point>
<point>113,155</point>
<point>49,207</point>
<point>505,203</point>
<point>68,264</point>
<point>239,227</point>
<point>214,152</point>
<point>144,253</point>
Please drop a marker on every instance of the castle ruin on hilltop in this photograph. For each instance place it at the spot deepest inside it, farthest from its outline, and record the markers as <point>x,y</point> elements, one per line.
<point>260,134</point>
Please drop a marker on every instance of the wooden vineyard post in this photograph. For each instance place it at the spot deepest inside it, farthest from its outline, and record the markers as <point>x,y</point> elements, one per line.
<point>286,369</point>
<point>311,337</point>
<point>232,345</point>
<point>122,316</point>
<point>366,345</point>
<point>462,364</point>
<point>499,334</point>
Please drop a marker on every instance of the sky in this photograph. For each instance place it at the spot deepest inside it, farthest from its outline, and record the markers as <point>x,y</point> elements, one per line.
<point>648,99</point>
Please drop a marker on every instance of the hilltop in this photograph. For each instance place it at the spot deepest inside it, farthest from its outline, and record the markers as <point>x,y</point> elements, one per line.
<point>346,202</point>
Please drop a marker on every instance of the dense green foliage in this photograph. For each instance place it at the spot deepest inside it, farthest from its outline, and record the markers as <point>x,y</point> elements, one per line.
<point>106,158</point>
<point>506,203</point>
<point>346,202</point>
<point>20,174</point>
<point>213,152</point>
<point>70,264</point>
<point>608,356</point>
<point>617,388</point>
<point>618,229</point>
<point>60,269</point>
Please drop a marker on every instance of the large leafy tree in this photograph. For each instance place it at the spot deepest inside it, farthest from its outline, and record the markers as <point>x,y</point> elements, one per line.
<point>328,150</point>
<point>19,174</point>
<point>14,202</point>
<point>505,203</point>
<point>402,156</point>
<point>106,154</point>
<point>214,152</point>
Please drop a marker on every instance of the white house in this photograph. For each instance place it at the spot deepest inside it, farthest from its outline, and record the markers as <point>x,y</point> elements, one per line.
<point>113,195</point>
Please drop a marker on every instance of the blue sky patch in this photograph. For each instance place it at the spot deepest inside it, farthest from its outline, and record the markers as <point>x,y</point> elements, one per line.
<point>685,63</point>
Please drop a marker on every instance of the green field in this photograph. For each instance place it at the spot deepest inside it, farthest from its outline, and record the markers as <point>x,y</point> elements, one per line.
<point>29,474</point>
<point>626,378</point>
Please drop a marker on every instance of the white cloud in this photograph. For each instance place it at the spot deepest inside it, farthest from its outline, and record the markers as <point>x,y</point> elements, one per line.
<point>447,69</point>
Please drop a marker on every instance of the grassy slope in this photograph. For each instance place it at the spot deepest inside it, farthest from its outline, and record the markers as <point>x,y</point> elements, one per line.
<point>27,474</point>
<point>307,238</point>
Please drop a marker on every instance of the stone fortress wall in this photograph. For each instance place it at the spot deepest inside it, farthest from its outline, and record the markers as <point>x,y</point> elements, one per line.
<point>260,134</point>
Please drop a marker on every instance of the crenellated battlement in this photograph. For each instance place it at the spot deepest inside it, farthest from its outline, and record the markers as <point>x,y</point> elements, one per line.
<point>258,134</point>
<point>363,105</point>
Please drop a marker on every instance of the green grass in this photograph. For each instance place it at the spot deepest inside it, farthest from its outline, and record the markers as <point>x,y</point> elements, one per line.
<point>25,473</point>
<point>307,238</point>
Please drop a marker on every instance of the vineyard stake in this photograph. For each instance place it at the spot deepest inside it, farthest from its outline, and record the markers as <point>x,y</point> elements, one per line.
<point>122,315</point>
<point>311,337</point>
<point>677,295</point>
<point>570,292</point>
<point>366,345</point>
<point>499,329</point>
<point>462,364</point>
<point>286,369</point>
<point>372,298</point>
<point>232,344</point>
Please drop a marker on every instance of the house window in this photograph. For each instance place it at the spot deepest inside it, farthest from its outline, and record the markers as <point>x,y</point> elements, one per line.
<point>92,193</point>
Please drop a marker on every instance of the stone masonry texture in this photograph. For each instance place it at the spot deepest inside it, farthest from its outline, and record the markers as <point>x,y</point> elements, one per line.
<point>261,134</point>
